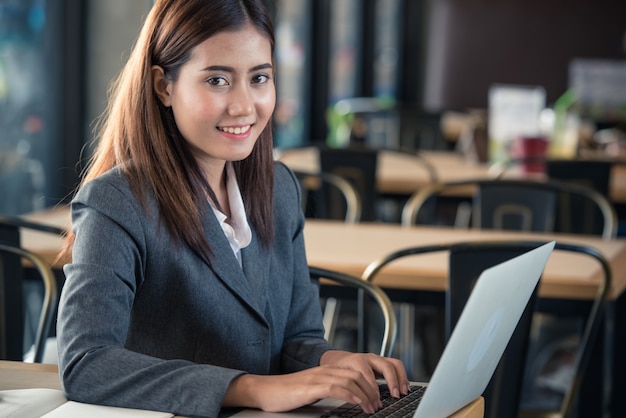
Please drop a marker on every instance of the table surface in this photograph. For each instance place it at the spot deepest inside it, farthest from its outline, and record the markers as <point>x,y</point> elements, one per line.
<point>17,375</point>
<point>351,247</point>
<point>403,173</point>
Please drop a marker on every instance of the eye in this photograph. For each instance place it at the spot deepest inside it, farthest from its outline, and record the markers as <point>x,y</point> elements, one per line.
<point>260,79</point>
<point>217,81</point>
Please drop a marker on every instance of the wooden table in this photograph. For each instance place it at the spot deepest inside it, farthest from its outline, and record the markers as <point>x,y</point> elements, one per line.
<point>16,375</point>
<point>351,247</point>
<point>45,244</point>
<point>403,174</point>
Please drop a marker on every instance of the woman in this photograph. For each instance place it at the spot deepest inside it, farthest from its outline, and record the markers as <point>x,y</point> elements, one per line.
<point>188,289</point>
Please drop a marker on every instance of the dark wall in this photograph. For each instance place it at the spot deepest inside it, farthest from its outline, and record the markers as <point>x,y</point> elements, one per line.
<point>474,43</point>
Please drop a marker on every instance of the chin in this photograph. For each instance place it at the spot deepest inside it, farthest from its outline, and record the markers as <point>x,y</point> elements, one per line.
<point>238,156</point>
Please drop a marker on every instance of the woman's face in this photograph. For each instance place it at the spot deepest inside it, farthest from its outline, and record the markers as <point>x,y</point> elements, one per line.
<point>223,97</point>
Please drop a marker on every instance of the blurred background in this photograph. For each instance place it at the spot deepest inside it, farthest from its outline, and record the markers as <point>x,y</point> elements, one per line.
<point>417,73</point>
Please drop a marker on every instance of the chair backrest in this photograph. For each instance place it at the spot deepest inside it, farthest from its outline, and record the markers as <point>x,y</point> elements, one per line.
<point>328,196</point>
<point>514,205</point>
<point>358,165</point>
<point>15,262</point>
<point>466,261</point>
<point>376,294</point>
<point>595,174</point>
<point>591,173</point>
<point>12,321</point>
<point>540,206</point>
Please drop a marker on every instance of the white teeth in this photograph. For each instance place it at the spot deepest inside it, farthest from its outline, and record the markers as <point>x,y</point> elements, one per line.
<point>236,131</point>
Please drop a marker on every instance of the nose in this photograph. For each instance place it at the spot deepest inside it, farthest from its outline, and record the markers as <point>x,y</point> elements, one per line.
<point>242,102</point>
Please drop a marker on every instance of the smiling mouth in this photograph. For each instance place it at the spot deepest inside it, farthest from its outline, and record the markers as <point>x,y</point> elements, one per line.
<point>236,130</point>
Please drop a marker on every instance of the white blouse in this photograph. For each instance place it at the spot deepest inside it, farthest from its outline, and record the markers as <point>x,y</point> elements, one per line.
<point>237,231</point>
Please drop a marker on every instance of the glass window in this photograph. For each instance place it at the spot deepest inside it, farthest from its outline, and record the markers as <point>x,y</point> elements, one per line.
<point>345,51</point>
<point>27,150</point>
<point>387,48</point>
<point>292,57</point>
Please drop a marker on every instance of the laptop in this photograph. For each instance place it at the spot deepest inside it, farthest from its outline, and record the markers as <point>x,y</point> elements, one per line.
<point>475,347</point>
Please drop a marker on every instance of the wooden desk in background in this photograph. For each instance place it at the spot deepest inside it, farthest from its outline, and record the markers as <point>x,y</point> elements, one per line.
<point>45,244</point>
<point>351,247</point>
<point>403,174</point>
<point>16,375</point>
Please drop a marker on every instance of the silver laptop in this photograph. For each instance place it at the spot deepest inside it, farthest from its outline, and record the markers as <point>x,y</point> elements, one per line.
<point>476,344</point>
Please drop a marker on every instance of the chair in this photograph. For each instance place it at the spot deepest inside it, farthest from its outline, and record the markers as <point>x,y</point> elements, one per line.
<point>592,173</point>
<point>11,335</point>
<point>526,205</point>
<point>15,335</point>
<point>336,198</point>
<point>595,174</point>
<point>466,261</point>
<point>358,165</point>
<point>376,293</point>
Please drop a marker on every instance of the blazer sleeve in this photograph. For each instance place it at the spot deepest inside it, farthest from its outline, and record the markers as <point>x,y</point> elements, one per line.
<point>95,310</point>
<point>304,343</point>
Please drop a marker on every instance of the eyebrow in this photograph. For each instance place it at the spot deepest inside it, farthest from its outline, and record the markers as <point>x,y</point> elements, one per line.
<point>228,69</point>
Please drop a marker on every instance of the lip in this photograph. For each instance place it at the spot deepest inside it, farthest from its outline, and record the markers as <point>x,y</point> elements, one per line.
<point>238,136</point>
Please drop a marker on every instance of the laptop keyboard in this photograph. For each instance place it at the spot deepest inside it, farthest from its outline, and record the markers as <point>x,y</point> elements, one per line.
<point>404,406</point>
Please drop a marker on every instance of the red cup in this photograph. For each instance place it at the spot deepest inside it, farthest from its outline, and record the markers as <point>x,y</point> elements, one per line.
<point>530,152</point>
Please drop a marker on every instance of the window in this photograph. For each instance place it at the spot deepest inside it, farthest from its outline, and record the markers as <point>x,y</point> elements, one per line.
<point>28,155</point>
<point>330,50</point>
<point>292,32</point>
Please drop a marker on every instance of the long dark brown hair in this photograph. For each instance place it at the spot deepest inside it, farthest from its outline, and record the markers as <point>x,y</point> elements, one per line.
<point>139,134</point>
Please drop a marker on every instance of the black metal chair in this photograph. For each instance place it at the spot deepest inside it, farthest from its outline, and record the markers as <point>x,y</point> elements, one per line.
<point>466,261</point>
<point>591,173</point>
<point>18,263</point>
<point>362,288</point>
<point>595,174</point>
<point>12,321</point>
<point>329,196</point>
<point>358,165</point>
<point>527,205</point>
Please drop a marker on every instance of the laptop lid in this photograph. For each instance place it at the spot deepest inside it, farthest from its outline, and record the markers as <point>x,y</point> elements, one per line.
<point>482,333</point>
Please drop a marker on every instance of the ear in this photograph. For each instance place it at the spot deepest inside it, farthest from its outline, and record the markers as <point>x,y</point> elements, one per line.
<point>161,85</point>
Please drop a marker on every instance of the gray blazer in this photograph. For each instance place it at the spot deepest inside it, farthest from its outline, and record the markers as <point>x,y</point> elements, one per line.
<point>145,323</point>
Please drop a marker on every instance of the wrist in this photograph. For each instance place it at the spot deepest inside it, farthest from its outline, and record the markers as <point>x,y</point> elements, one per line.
<point>241,393</point>
<point>330,357</point>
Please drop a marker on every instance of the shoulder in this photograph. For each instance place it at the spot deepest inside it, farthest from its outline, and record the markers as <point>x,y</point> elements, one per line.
<point>286,185</point>
<point>283,173</point>
<point>113,182</point>
<point>110,194</point>
<point>287,199</point>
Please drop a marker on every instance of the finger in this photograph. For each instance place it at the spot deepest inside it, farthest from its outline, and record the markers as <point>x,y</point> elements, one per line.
<point>353,391</point>
<point>366,380</point>
<point>394,373</point>
<point>345,383</point>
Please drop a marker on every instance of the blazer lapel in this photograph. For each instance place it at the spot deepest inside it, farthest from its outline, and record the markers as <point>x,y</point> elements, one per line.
<point>256,269</point>
<point>226,266</point>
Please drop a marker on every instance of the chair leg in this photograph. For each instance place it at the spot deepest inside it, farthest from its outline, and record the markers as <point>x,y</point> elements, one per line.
<point>406,343</point>
<point>329,318</point>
